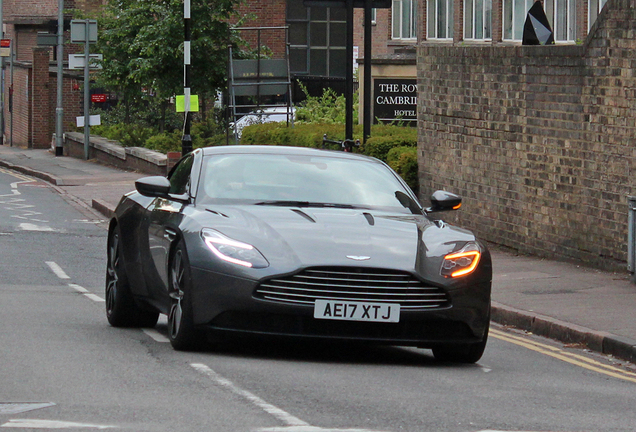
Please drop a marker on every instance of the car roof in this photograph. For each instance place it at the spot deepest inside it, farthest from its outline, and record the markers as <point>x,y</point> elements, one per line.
<point>282,150</point>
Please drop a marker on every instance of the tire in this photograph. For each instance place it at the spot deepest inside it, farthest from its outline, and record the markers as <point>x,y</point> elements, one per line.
<point>183,334</point>
<point>121,308</point>
<point>461,353</point>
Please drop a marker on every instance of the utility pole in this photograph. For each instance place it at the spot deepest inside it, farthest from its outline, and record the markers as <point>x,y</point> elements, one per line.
<point>349,73</point>
<point>59,110</point>
<point>186,140</point>
<point>367,70</point>
<point>1,79</point>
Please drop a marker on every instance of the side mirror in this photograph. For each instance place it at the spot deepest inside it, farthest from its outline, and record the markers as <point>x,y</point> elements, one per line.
<point>154,187</point>
<point>444,201</point>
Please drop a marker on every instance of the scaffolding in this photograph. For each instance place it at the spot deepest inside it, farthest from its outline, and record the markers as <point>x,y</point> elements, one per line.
<point>257,79</point>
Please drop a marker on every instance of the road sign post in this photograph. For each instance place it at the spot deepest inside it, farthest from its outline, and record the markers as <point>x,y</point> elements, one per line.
<point>85,31</point>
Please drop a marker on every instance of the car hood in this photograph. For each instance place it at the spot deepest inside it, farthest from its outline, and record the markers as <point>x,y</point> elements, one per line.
<point>293,237</point>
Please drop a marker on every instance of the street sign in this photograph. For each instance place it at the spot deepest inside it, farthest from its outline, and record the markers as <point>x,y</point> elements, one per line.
<point>78,31</point>
<point>5,47</point>
<point>76,61</point>
<point>94,120</point>
<point>99,98</point>
<point>46,39</point>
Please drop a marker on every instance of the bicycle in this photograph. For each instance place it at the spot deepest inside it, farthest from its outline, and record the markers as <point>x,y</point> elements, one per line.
<point>346,145</point>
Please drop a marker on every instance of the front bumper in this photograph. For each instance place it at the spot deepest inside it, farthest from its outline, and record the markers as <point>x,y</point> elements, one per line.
<point>226,305</point>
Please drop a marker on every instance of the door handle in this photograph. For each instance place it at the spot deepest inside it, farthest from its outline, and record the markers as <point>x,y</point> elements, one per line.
<point>170,234</point>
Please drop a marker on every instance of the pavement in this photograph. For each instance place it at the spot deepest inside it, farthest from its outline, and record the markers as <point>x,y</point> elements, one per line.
<point>571,303</point>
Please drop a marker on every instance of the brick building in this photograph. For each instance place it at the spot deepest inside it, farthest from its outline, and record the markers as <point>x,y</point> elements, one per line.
<point>30,94</point>
<point>317,36</point>
<point>540,140</point>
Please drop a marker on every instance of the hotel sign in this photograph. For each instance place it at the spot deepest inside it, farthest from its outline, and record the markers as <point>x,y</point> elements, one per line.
<point>395,100</point>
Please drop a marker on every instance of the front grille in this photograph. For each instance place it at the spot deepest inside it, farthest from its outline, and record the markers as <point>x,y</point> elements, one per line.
<point>353,284</point>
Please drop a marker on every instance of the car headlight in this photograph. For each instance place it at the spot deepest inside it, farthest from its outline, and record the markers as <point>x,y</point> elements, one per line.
<point>462,262</point>
<point>233,251</point>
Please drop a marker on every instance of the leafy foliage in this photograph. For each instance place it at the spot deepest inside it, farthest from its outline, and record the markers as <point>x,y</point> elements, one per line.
<point>404,161</point>
<point>330,108</point>
<point>142,44</point>
<point>128,135</point>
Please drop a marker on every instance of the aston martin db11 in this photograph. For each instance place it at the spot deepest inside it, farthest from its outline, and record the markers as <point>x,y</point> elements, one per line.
<point>299,243</point>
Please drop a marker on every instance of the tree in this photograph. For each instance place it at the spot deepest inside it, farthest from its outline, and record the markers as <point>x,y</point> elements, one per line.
<point>142,45</point>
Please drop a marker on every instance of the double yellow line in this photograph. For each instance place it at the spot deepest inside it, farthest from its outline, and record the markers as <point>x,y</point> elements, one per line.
<point>568,357</point>
<point>16,174</point>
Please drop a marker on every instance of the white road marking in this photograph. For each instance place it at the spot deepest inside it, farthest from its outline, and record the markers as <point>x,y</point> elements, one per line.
<point>86,292</point>
<point>78,288</point>
<point>57,270</point>
<point>33,227</point>
<point>310,429</point>
<point>17,408</point>
<point>294,424</point>
<point>155,335</point>
<point>50,424</point>
<point>94,297</point>
<point>283,416</point>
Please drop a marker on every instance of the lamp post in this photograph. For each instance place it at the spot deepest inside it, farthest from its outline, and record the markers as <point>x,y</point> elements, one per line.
<point>59,110</point>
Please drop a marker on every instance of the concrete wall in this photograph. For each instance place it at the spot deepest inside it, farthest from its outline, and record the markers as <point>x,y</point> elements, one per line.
<point>112,153</point>
<point>541,141</point>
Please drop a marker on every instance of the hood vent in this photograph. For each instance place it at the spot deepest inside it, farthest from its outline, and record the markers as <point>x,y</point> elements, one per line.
<point>353,284</point>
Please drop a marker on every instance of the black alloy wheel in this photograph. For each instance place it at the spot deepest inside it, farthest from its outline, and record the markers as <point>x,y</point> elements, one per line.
<point>121,309</point>
<point>183,335</point>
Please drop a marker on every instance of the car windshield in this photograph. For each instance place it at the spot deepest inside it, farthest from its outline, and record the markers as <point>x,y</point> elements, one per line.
<point>300,180</point>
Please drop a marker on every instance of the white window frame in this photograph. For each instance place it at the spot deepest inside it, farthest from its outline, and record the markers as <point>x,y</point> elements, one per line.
<point>593,12</point>
<point>516,24</point>
<point>552,9</point>
<point>433,21</point>
<point>484,21</point>
<point>397,12</point>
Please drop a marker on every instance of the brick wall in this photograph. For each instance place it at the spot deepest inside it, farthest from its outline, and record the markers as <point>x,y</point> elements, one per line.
<point>266,13</point>
<point>41,111</point>
<point>21,106</point>
<point>540,141</point>
<point>380,32</point>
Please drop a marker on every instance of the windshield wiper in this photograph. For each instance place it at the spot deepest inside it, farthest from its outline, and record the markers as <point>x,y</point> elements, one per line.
<point>291,203</point>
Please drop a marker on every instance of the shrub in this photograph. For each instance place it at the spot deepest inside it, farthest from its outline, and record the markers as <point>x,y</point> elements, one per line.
<point>128,135</point>
<point>301,135</point>
<point>330,108</point>
<point>165,142</point>
<point>387,138</point>
<point>404,161</point>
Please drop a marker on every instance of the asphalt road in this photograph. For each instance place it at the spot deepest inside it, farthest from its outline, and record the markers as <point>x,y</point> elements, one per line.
<point>63,367</point>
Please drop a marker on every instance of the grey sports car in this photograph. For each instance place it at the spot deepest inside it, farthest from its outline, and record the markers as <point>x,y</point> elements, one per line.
<point>296,242</point>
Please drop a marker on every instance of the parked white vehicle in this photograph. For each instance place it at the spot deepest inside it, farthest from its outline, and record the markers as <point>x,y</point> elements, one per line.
<point>266,115</point>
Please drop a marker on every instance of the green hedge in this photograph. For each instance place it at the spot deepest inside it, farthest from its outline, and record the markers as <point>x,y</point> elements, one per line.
<point>404,161</point>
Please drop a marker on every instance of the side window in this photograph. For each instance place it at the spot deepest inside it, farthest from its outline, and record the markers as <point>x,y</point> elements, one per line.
<point>180,176</point>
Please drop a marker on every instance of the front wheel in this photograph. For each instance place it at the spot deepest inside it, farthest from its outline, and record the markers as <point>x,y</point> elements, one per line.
<point>183,335</point>
<point>461,353</point>
<point>121,309</point>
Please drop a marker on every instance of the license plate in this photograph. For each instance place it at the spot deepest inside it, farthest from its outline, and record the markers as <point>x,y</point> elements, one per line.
<point>356,311</point>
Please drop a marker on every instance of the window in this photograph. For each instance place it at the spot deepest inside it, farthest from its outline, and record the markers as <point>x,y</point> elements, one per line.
<point>180,176</point>
<point>317,37</point>
<point>514,17</point>
<point>561,14</point>
<point>440,19</point>
<point>594,8</point>
<point>477,19</point>
<point>404,15</point>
